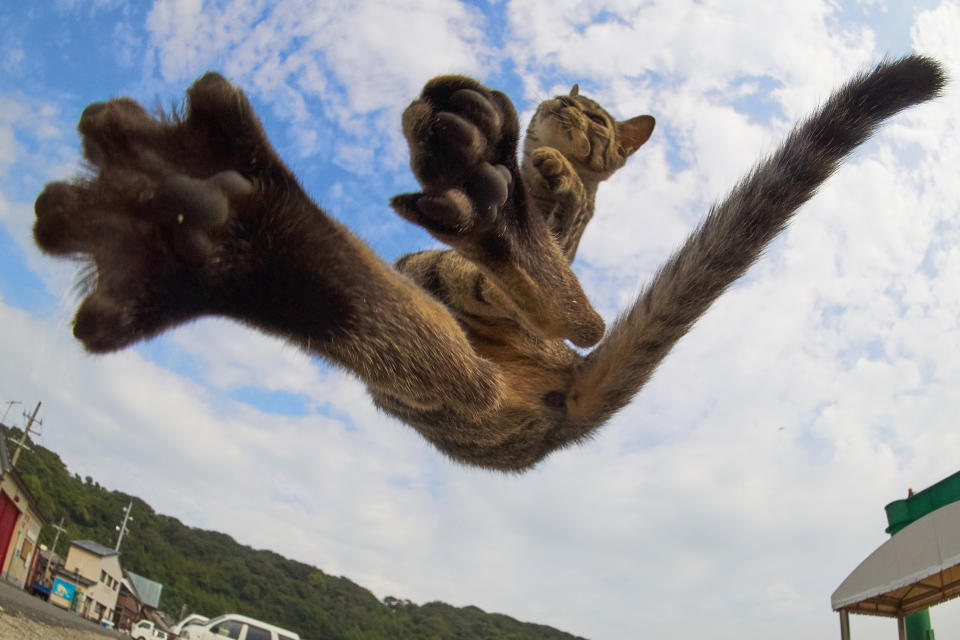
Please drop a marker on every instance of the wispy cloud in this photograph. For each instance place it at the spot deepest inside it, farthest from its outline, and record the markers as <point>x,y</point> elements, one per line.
<point>353,64</point>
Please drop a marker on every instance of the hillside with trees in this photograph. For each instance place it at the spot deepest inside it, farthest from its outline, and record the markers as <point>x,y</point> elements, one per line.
<point>212,574</point>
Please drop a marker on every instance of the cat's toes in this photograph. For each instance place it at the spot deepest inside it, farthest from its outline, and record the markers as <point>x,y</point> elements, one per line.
<point>468,210</point>
<point>489,110</point>
<point>216,103</point>
<point>479,111</point>
<point>113,132</point>
<point>445,214</point>
<point>58,230</point>
<point>103,323</point>
<point>443,149</point>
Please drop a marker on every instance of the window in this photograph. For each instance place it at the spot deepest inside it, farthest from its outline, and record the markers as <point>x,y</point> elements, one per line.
<point>228,629</point>
<point>103,576</point>
<point>256,633</point>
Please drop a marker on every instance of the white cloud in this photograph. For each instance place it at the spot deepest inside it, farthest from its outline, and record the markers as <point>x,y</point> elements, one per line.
<point>357,64</point>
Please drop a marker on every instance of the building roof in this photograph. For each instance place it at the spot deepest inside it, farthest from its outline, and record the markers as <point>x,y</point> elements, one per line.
<point>148,590</point>
<point>72,576</point>
<point>95,548</point>
<point>915,569</point>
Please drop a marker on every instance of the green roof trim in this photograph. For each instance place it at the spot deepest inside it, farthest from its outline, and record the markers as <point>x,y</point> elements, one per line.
<point>900,513</point>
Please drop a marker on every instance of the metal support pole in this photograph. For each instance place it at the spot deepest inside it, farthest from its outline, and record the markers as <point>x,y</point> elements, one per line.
<point>844,624</point>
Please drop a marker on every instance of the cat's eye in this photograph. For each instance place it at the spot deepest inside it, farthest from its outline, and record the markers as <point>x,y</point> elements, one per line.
<point>597,118</point>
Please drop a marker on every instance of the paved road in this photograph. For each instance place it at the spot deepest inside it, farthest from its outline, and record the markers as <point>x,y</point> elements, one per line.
<point>16,601</point>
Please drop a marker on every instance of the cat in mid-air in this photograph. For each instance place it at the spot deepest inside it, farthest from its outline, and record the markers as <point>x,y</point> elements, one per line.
<point>197,215</point>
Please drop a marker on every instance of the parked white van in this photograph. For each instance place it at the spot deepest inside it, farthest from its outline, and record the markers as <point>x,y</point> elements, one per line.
<point>233,626</point>
<point>193,618</point>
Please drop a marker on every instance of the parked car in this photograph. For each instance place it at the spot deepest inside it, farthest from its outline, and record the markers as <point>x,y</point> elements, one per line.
<point>236,627</point>
<point>146,630</point>
<point>193,618</point>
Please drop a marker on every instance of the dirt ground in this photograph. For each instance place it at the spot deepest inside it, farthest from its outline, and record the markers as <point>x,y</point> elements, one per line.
<point>14,626</point>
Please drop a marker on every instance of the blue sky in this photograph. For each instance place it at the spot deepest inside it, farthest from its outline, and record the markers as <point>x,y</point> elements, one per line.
<point>730,498</point>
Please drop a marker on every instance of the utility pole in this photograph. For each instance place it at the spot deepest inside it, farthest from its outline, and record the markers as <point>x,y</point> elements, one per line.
<point>56,538</point>
<point>123,527</point>
<point>16,454</point>
<point>53,548</point>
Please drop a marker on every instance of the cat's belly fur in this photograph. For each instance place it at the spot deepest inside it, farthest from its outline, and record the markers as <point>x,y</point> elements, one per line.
<point>522,430</point>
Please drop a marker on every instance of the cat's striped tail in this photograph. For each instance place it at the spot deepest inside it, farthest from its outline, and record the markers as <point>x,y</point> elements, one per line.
<point>735,233</point>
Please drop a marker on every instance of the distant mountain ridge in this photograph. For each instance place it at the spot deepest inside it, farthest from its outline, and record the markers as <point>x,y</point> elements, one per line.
<point>212,573</point>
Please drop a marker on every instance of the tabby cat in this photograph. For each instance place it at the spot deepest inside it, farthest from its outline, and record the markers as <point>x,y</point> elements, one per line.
<point>198,215</point>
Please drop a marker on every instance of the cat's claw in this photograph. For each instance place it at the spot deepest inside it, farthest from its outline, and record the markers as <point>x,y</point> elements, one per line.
<point>472,208</point>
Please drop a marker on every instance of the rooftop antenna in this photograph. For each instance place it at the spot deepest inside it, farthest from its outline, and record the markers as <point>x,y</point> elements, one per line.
<point>10,403</point>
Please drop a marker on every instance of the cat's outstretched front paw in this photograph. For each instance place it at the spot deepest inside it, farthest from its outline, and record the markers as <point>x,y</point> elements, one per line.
<point>158,218</point>
<point>462,139</point>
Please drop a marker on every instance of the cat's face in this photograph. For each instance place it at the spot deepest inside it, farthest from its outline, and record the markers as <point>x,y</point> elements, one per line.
<point>594,142</point>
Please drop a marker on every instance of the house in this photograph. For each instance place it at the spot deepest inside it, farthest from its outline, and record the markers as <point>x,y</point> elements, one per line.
<point>20,521</point>
<point>93,594</point>
<point>129,610</point>
<point>138,600</point>
<point>68,588</point>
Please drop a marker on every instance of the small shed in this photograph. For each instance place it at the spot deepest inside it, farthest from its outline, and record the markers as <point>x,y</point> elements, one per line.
<point>915,569</point>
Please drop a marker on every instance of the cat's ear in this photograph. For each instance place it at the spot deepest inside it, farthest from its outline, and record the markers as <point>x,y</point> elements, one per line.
<point>632,133</point>
<point>575,91</point>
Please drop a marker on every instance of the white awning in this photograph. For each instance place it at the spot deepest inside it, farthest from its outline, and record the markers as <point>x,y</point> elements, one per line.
<point>915,569</point>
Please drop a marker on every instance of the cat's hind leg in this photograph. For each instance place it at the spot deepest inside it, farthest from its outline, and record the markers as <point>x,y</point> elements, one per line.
<point>196,215</point>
